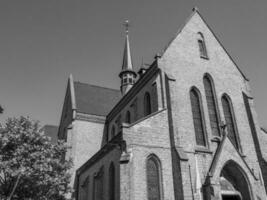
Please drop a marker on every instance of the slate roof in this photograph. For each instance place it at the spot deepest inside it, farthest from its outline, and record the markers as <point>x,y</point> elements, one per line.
<point>95,100</point>
<point>51,131</point>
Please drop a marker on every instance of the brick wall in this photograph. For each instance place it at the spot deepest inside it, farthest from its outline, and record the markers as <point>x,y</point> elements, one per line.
<point>103,163</point>
<point>182,62</point>
<point>85,139</point>
<point>136,105</point>
<point>146,137</point>
<point>169,132</point>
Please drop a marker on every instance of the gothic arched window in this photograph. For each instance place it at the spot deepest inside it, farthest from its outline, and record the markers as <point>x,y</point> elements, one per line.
<point>147,104</point>
<point>84,192</point>
<point>202,46</point>
<point>128,117</point>
<point>98,184</point>
<point>153,178</point>
<point>198,118</point>
<point>112,132</point>
<point>112,182</point>
<point>212,105</point>
<point>230,120</point>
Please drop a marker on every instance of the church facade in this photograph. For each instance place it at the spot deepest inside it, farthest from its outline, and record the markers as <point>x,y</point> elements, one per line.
<point>183,128</point>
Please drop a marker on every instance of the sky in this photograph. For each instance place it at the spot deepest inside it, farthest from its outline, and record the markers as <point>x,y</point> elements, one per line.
<point>43,41</point>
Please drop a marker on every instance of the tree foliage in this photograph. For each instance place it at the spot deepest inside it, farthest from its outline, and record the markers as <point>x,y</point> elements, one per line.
<point>30,164</point>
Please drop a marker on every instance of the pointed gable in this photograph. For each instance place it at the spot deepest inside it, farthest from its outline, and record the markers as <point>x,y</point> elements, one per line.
<point>185,42</point>
<point>95,100</point>
<point>69,106</point>
<point>227,152</point>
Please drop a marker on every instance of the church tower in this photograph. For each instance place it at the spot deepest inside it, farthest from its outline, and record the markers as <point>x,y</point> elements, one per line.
<point>127,74</point>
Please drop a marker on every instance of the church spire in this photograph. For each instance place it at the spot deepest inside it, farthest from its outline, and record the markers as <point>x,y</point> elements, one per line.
<point>127,58</point>
<point>127,74</point>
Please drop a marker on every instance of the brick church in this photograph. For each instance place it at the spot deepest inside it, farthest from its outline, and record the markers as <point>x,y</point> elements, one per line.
<point>182,128</point>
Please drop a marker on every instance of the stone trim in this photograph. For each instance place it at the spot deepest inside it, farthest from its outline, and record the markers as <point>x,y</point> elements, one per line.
<point>181,154</point>
<point>125,125</point>
<point>201,149</point>
<point>90,118</point>
<point>72,93</point>
<point>216,157</point>
<point>148,146</point>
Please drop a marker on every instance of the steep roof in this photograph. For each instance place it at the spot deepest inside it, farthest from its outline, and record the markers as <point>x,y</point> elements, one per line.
<point>95,100</point>
<point>127,58</point>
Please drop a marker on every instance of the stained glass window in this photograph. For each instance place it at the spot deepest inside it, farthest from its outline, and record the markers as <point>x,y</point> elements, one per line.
<point>98,185</point>
<point>197,118</point>
<point>147,104</point>
<point>211,101</point>
<point>112,182</point>
<point>202,46</point>
<point>128,117</point>
<point>153,179</point>
<point>229,119</point>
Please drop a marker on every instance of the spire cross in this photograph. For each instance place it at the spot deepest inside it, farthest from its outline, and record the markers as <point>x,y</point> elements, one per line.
<point>127,25</point>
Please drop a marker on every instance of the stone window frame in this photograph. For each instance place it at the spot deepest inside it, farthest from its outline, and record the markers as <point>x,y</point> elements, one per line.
<point>128,117</point>
<point>147,104</point>
<point>232,113</point>
<point>85,187</point>
<point>98,175</point>
<point>202,46</point>
<point>156,159</point>
<point>203,122</point>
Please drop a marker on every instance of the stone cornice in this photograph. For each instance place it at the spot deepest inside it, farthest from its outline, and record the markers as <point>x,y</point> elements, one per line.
<point>90,118</point>
<point>125,125</point>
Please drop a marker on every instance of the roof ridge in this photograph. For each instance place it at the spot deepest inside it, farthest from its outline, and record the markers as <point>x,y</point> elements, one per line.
<point>180,28</point>
<point>97,86</point>
<point>218,40</point>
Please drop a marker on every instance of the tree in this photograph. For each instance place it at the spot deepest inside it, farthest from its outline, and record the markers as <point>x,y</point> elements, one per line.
<point>31,167</point>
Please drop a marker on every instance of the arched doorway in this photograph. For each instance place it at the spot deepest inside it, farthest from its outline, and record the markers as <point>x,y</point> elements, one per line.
<point>233,182</point>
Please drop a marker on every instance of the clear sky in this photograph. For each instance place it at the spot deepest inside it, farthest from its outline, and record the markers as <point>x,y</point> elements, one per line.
<point>43,41</point>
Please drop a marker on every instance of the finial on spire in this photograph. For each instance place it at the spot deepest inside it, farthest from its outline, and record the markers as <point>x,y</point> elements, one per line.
<point>127,25</point>
<point>195,9</point>
<point>127,73</point>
